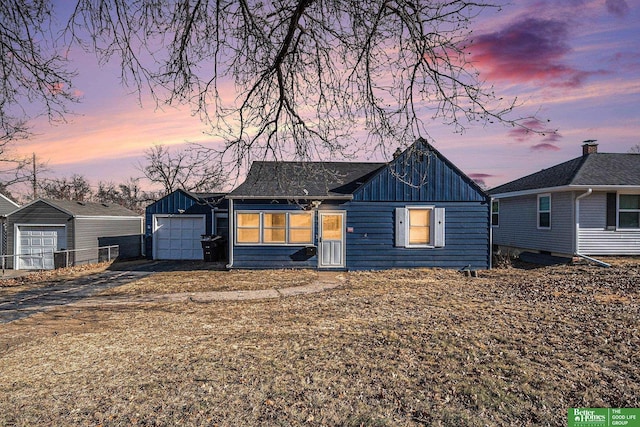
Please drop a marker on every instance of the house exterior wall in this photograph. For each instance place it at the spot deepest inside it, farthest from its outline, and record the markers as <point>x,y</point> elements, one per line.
<point>273,256</point>
<point>518,224</point>
<point>39,213</point>
<point>371,240</point>
<point>419,177</point>
<point>88,232</point>
<point>595,238</point>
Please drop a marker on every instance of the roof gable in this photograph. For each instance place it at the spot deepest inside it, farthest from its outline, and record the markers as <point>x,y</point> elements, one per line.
<point>304,180</point>
<point>595,169</point>
<point>7,205</point>
<point>420,173</point>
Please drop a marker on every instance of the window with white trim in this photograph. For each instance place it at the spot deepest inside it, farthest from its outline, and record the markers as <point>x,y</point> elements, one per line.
<point>544,211</point>
<point>629,211</point>
<point>274,228</point>
<point>419,227</point>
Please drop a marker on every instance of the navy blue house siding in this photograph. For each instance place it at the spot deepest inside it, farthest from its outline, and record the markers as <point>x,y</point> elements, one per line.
<point>418,177</point>
<point>371,243</point>
<point>272,256</point>
<point>178,202</point>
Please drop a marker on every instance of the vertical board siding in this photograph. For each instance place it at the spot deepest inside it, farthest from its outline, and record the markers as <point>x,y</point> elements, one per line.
<point>518,224</point>
<point>39,213</point>
<point>433,178</point>
<point>371,245</point>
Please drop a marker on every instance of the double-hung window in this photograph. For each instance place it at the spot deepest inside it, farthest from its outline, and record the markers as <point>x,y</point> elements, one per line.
<point>629,211</point>
<point>419,227</point>
<point>274,228</point>
<point>544,211</point>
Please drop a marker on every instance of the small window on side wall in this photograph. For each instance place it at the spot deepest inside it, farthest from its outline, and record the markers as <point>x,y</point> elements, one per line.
<point>419,227</point>
<point>544,211</point>
<point>495,213</point>
<point>629,211</point>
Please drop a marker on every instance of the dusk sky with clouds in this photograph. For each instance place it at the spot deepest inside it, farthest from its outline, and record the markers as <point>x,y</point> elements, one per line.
<point>574,64</point>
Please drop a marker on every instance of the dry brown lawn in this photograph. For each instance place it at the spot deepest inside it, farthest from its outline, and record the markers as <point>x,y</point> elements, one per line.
<point>514,347</point>
<point>208,281</point>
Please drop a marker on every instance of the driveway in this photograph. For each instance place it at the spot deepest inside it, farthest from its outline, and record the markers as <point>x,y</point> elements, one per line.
<point>26,303</point>
<point>83,290</point>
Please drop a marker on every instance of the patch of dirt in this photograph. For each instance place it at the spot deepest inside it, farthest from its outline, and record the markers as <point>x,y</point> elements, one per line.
<point>513,347</point>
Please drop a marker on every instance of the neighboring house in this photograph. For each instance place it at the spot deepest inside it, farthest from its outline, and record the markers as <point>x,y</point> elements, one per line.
<point>418,210</point>
<point>176,223</point>
<point>38,229</point>
<point>6,207</point>
<point>589,205</point>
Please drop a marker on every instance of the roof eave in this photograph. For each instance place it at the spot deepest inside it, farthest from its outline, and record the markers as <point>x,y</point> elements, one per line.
<point>565,188</point>
<point>290,197</point>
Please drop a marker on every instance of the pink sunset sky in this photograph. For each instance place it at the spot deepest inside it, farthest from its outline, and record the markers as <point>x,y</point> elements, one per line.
<point>575,63</point>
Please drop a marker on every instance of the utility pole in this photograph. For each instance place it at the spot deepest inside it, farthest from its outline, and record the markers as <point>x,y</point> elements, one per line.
<point>35,178</point>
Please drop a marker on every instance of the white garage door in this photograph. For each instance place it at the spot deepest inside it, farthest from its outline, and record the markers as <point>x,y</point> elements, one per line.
<point>178,237</point>
<point>36,245</point>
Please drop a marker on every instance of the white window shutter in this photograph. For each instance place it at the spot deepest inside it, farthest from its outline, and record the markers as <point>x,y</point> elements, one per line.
<point>438,237</point>
<point>401,227</point>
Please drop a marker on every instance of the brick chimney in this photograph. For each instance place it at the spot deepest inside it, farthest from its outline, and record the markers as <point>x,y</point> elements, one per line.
<point>589,147</point>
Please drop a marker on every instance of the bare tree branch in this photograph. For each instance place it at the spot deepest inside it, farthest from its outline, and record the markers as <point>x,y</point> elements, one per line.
<point>276,79</point>
<point>191,169</point>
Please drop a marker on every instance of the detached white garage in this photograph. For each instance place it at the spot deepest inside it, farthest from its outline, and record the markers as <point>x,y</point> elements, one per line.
<point>178,236</point>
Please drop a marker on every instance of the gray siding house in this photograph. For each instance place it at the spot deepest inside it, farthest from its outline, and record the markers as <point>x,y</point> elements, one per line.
<point>42,227</point>
<point>586,206</point>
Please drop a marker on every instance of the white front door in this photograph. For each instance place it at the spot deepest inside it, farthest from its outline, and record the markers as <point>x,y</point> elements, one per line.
<point>331,239</point>
<point>178,236</point>
<point>36,245</point>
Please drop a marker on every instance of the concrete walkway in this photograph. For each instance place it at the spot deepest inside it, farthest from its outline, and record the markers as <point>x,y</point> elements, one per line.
<point>326,281</point>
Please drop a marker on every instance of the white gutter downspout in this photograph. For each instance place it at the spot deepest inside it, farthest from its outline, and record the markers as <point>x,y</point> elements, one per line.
<point>577,240</point>
<point>231,233</point>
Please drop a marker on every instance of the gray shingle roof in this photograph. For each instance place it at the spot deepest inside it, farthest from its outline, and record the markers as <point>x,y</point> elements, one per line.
<point>90,208</point>
<point>304,180</point>
<point>603,169</point>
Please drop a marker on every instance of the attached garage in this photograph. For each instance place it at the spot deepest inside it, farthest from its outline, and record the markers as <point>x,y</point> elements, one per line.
<point>176,223</point>
<point>178,236</point>
<point>42,227</point>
